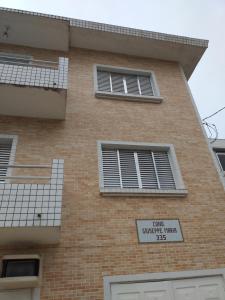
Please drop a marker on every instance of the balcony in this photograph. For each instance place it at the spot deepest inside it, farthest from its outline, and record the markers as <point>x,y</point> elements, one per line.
<point>33,88</point>
<point>30,213</point>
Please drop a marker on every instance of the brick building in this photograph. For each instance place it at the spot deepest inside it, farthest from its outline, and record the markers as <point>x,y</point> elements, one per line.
<point>108,188</point>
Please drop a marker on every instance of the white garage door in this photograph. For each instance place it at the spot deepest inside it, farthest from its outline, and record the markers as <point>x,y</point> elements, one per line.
<point>209,288</point>
<point>16,295</point>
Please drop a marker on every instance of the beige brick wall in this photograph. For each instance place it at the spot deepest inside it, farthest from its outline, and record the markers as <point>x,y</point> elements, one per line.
<point>98,233</point>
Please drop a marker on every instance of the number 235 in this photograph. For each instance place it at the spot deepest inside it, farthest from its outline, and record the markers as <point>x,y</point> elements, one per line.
<point>161,237</point>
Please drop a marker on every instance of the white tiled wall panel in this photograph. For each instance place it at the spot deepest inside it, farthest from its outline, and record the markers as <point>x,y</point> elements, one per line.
<point>24,205</point>
<point>35,76</point>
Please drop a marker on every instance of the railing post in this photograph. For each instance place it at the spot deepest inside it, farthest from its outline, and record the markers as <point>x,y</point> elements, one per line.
<point>63,72</point>
<point>57,172</point>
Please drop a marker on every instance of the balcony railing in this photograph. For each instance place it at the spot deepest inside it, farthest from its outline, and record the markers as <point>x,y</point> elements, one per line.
<point>33,88</point>
<point>31,211</point>
<point>26,61</point>
<point>32,72</point>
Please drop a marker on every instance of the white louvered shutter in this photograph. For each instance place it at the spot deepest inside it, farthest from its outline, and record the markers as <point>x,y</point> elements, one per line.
<point>117,83</point>
<point>137,169</point>
<point>5,151</point>
<point>164,172</point>
<point>132,84</point>
<point>128,169</point>
<point>146,86</point>
<point>103,81</point>
<point>147,170</point>
<point>111,174</point>
<point>125,83</point>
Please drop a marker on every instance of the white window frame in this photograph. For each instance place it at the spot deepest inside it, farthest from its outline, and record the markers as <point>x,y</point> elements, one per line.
<point>156,98</point>
<point>180,190</point>
<point>14,139</point>
<point>220,153</point>
<point>219,147</point>
<point>27,282</point>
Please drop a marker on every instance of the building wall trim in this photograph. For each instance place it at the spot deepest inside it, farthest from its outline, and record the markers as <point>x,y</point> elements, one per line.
<point>114,28</point>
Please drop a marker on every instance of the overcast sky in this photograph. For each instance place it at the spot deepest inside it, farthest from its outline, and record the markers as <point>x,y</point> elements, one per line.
<point>195,18</point>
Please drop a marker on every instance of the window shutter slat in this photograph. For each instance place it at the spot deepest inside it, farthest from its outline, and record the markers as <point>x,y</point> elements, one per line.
<point>132,84</point>
<point>128,169</point>
<point>146,86</point>
<point>117,83</point>
<point>147,170</point>
<point>111,174</point>
<point>103,81</point>
<point>164,170</point>
<point>5,152</point>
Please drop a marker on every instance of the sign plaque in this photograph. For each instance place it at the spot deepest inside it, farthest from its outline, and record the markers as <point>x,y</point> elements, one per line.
<point>159,231</point>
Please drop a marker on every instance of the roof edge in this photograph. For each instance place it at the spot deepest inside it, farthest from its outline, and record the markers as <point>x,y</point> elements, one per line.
<point>117,29</point>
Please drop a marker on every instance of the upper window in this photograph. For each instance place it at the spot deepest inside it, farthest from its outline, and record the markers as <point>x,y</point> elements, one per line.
<point>126,84</point>
<point>141,168</point>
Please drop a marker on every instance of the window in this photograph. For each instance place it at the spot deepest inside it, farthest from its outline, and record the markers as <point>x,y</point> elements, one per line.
<point>14,59</point>
<point>127,168</point>
<point>126,84</point>
<point>218,148</point>
<point>7,153</point>
<point>21,272</point>
<point>20,267</point>
<point>221,159</point>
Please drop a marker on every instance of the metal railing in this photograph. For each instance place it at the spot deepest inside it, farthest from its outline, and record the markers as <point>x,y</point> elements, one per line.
<point>28,62</point>
<point>25,166</point>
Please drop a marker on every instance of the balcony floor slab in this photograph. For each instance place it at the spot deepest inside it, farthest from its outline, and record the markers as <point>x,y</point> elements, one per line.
<point>34,102</point>
<point>29,235</point>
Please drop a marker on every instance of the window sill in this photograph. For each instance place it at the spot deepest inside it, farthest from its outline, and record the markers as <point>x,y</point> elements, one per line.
<point>130,97</point>
<point>20,282</point>
<point>143,192</point>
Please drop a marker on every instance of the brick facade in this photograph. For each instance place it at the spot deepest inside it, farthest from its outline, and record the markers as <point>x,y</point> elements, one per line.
<point>98,234</point>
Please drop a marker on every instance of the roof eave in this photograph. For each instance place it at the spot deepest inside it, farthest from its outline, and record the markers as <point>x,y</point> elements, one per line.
<point>60,33</point>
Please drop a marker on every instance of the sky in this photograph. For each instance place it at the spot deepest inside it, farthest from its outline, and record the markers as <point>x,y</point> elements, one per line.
<point>195,18</point>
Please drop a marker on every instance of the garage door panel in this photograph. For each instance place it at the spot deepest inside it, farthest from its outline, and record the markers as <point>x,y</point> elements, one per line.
<point>126,292</point>
<point>209,288</point>
<point>156,295</point>
<point>156,291</point>
<point>211,292</point>
<point>129,296</point>
<point>141,291</point>
<point>186,293</point>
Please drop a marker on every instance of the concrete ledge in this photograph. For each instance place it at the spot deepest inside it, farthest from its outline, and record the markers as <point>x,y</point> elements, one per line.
<point>19,282</point>
<point>143,192</point>
<point>32,235</point>
<point>128,97</point>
